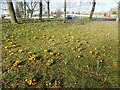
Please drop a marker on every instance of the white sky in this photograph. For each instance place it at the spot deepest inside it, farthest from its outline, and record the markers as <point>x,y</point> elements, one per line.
<point>74,5</point>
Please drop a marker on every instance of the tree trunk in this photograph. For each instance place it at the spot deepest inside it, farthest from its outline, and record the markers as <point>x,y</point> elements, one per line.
<point>92,11</point>
<point>64,10</point>
<point>31,15</point>
<point>118,16</point>
<point>12,12</point>
<point>24,9</point>
<point>40,7</point>
<point>48,9</point>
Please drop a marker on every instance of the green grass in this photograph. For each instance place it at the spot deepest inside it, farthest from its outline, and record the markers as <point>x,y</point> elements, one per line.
<point>66,55</point>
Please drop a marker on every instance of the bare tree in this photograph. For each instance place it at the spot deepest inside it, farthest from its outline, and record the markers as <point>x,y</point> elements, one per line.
<point>93,8</point>
<point>48,8</point>
<point>64,11</point>
<point>11,11</point>
<point>59,13</point>
<point>31,8</point>
<point>40,7</point>
<point>19,9</point>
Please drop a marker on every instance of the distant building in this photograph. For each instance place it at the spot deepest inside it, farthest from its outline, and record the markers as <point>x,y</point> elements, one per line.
<point>112,13</point>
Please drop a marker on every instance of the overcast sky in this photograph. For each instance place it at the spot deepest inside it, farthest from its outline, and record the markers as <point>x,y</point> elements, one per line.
<point>76,5</point>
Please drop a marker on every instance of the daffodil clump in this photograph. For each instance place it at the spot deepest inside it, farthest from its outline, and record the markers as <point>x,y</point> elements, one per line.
<point>16,63</point>
<point>99,61</point>
<point>48,83</point>
<point>32,57</point>
<point>55,84</point>
<point>31,82</point>
<point>49,62</point>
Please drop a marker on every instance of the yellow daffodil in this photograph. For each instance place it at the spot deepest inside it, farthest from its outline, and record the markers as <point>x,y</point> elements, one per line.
<point>100,61</point>
<point>77,40</point>
<point>26,80</point>
<point>51,53</point>
<point>11,36</point>
<point>34,83</point>
<point>34,37</point>
<point>91,52</point>
<point>48,83</point>
<point>72,48</point>
<point>26,33</point>
<point>32,58</point>
<point>45,51</point>
<point>66,41</point>
<point>13,45</point>
<point>50,40</point>
<point>17,62</point>
<point>48,64</point>
<point>87,66</point>
<point>79,56</point>
<point>10,42</point>
<point>6,35</point>
<point>29,82</point>
<point>93,56</point>
<point>29,53</point>
<point>6,47</point>
<point>11,53</point>
<point>50,61</point>
<point>72,36</point>
<point>20,51</point>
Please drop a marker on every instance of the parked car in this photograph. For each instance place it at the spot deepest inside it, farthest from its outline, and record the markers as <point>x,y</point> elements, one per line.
<point>69,17</point>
